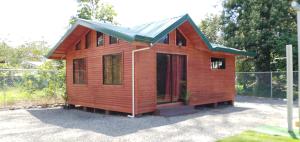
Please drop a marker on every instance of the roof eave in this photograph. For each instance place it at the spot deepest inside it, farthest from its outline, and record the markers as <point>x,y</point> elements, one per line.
<point>107,31</point>
<point>219,49</point>
<point>145,39</point>
<point>90,26</point>
<point>69,31</point>
<point>170,28</point>
<point>232,51</point>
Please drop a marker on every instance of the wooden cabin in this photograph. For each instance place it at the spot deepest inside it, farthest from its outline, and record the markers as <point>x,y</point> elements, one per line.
<point>134,70</point>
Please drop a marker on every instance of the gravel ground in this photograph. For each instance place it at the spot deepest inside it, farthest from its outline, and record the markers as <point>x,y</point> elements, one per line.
<point>209,124</point>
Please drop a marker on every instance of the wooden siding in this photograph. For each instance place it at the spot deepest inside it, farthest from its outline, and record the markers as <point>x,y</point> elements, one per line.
<point>204,84</point>
<point>95,93</point>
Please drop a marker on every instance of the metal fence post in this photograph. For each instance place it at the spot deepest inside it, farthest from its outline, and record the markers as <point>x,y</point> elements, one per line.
<point>289,72</point>
<point>271,75</point>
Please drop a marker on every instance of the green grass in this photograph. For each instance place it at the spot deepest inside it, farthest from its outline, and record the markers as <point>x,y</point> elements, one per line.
<point>17,96</point>
<point>279,131</point>
<point>252,136</point>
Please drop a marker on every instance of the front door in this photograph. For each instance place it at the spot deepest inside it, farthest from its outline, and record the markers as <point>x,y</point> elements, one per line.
<point>171,77</point>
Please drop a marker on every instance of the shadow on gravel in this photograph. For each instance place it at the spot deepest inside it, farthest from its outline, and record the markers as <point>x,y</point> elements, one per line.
<point>260,100</point>
<point>113,125</point>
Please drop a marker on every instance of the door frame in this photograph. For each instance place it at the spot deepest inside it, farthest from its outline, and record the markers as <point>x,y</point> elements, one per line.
<point>186,77</point>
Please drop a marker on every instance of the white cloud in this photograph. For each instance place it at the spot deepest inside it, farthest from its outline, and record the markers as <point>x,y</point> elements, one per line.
<point>34,19</point>
<point>48,19</point>
<point>132,12</point>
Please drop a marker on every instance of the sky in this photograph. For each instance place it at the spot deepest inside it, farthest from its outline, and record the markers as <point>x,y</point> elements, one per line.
<point>48,20</point>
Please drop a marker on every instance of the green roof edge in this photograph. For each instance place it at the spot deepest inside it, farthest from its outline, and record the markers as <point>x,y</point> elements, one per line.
<point>170,28</point>
<point>155,39</point>
<point>221,49</point>
<point>87,24</point>
<point>107,31</point>
<point>61,40</point>
<point>234,51</point>
<point>186,17</point>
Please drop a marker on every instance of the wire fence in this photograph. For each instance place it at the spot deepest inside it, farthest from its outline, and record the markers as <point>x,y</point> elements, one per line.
<point>264,84</point>
<point>31,87</point>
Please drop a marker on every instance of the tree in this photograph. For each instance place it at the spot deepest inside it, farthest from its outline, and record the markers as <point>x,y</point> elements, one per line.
<point>12,57</point>
<point>4,53</point>
<point>94,10</point>
<point>211,27</point>
<point>263,26</point>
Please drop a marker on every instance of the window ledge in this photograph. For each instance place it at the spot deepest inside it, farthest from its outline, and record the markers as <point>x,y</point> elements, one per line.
<point>113,85</point>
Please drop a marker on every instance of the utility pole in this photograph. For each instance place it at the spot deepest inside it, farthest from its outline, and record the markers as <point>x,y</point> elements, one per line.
<point>296,6</point>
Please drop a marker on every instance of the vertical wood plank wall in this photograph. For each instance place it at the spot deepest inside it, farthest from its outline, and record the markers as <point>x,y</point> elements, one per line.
<point>204,84</point>
<point>95,93</point>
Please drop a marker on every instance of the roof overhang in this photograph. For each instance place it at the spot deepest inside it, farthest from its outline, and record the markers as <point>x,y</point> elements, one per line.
<point>129,35</point>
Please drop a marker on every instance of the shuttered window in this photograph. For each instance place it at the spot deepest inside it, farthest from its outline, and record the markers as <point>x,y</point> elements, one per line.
<point>112,69</point>
<point>79,71</point>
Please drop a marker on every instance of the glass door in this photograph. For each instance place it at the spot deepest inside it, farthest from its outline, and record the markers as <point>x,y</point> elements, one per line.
<point>171,77</point>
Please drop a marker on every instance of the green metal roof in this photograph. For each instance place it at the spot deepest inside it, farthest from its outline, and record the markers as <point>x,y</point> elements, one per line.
<point>148,33</point>
<point>221,48</point>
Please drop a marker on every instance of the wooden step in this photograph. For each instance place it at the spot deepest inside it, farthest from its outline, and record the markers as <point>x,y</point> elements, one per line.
<point>168,105</point>
<point>175,110</point>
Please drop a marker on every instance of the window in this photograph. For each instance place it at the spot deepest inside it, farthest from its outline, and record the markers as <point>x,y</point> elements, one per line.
<point>112,69</point>
<point>164,39</point>
<point>77,46</point>
<point>113,40</point>
<point>217,63</point>
<point>180,39</point>
<point>100,39</point>
<point>88,40</point>
<point>79,71</point>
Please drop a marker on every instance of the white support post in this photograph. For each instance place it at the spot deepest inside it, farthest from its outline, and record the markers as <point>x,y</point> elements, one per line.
<point>289,71</point>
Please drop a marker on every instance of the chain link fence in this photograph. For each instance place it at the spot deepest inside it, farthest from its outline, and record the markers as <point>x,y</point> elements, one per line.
<point>264,84</point>
<point>31,87</point>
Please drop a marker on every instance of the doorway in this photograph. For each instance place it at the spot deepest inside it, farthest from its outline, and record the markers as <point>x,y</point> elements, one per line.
<point>171,77</point>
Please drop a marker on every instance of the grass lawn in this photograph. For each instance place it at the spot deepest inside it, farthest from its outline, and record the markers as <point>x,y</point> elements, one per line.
<point>252,136</point>
<point>19,97</point>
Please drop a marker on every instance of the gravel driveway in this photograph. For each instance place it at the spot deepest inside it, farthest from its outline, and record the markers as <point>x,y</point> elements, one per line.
<point>209,124</point>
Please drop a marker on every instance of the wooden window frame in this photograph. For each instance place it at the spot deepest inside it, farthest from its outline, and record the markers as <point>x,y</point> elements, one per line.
<point>214,61</point>
<point>78,70</point>
<point>78,45</point>
<point>111,72</point>
<point>97,38</point>
<point>110,40</point>
<point>163,41</point>
<point>88,40</point>
<point>183,36</point>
